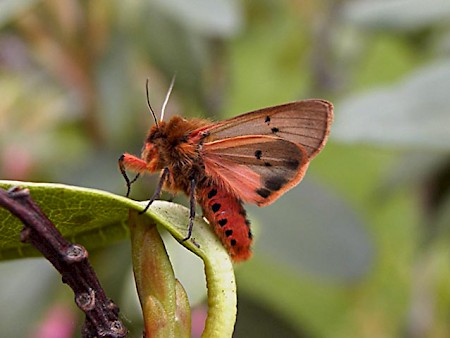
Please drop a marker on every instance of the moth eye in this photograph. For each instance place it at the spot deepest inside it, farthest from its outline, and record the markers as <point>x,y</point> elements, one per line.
<point>275,130</point>
<point>258,154</point>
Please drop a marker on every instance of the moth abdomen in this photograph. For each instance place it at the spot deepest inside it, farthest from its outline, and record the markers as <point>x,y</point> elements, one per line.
<point>227,217</point>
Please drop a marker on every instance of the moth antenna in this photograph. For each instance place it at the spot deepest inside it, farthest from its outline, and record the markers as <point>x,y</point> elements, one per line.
<point>149,105</point>
<point>167,97</point>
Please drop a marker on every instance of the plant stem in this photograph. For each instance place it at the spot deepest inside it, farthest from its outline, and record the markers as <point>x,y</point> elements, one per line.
<point>71,262</point>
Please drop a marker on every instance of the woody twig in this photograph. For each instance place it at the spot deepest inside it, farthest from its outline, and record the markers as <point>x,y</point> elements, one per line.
<point>71,262</point>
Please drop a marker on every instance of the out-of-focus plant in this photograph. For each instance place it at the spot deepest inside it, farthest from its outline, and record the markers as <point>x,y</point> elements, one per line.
<point>350,257</point>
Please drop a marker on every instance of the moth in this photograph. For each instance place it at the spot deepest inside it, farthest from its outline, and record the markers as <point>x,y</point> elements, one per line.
<point>251,158</point>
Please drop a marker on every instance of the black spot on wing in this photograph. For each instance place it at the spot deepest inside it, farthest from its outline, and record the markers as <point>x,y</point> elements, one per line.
<point>233,242</point>
<point>258,154</point>
<point>228,232</point>
<point>263,192</point>
<point>222,222</point>
<point>275,130</point>
<point>292,164</point>
<point>267,120</point>
<point>267,164</point>
<point>275,183</point>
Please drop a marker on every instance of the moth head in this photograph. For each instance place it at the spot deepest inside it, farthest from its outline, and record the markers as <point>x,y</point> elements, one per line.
<point>152,144</point>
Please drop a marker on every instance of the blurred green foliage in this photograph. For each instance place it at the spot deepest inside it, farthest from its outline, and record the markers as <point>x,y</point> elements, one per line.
<point>359,249</point>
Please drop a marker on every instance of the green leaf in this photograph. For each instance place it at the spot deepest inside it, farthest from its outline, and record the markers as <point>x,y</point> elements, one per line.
<point>220,281</point>
<point>90,217</point>
<point>155,281</point>
<point>95,218</point>
<point>182,312</point>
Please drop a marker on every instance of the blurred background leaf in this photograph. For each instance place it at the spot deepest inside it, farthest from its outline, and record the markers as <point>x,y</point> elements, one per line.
<point>413,113</point>
<point>359,249</point>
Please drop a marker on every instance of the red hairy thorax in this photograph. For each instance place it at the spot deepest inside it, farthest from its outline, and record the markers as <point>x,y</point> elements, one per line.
<point>170,143</point>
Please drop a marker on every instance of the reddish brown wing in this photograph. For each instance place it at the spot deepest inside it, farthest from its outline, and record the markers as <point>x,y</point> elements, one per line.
<point>303,122</point>
<point>256,169</point>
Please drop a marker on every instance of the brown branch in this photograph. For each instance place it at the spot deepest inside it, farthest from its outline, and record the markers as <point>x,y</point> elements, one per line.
<point>71,262</point>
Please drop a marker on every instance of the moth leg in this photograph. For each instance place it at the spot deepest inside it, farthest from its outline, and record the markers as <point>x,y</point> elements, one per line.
<point>127,161</point>
<point>158,189</point>
<point>191,209</point>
